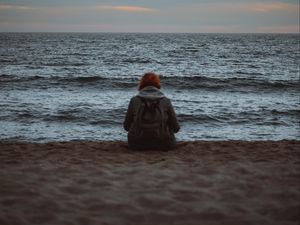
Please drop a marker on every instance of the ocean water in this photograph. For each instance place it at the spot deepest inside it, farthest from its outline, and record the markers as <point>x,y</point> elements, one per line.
<point>66,86</point>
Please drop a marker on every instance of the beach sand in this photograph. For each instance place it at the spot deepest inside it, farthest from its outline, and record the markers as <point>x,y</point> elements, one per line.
<point>202,182</point>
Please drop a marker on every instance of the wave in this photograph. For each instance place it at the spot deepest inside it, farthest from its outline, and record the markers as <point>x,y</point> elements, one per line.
<point>76,114</point>
<point>136,60</point>
<point>241,84</point>
<point>200,118</point>
<point>260,117</point>
<point>82,79</point>
<point>89,114</point>
<point>178,82</point>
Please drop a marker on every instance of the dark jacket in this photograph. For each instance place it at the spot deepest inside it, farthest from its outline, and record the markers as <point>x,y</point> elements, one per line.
<point>151,92</point>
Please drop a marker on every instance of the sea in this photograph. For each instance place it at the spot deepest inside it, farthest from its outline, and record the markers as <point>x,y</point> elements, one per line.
<point>77,86</point>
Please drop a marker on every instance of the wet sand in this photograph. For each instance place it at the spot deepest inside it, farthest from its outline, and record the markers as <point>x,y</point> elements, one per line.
<point>202,182</point>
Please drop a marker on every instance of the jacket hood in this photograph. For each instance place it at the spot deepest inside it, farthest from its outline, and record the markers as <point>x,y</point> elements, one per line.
<point>150,92</point>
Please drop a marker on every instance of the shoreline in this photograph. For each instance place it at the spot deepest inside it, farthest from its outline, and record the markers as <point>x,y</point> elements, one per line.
<point>123,143</point>
<point>104,182</point>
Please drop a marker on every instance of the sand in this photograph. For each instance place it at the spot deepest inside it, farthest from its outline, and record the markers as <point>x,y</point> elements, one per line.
<point>225,182</point>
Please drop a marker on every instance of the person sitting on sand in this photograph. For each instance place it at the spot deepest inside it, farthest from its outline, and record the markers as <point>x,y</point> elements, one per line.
<point>150,119</point>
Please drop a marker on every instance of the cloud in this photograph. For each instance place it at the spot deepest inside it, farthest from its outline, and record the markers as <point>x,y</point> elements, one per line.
<point>14,7</point>
<point>272,7</point>
<point>253,7</point>
<point>125,8</point>
<point>238,14</point>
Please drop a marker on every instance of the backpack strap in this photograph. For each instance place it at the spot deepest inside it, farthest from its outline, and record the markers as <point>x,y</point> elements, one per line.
<point>162,115</point>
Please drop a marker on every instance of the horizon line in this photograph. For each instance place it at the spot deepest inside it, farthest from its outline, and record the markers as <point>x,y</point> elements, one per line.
<point>146,32</point>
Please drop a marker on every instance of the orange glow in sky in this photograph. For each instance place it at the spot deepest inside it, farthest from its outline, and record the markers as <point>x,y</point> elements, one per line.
<point>230,16</point>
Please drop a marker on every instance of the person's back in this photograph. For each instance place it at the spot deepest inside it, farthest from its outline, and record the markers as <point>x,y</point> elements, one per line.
<point>150,120</point>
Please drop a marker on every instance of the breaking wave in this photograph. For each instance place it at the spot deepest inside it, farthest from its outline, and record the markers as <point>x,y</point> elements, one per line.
<point>178,82</point>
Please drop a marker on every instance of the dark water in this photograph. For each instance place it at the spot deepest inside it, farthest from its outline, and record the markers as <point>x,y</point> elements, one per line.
<point>63,86</point>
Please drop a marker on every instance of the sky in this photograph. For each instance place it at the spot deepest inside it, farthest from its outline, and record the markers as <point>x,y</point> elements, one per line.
<point>185,16</point>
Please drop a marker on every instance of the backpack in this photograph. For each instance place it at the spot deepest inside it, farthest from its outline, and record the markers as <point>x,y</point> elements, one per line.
<point>150,120</point>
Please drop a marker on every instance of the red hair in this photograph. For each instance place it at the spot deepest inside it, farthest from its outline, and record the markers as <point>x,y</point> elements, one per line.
<point>149,79</point>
